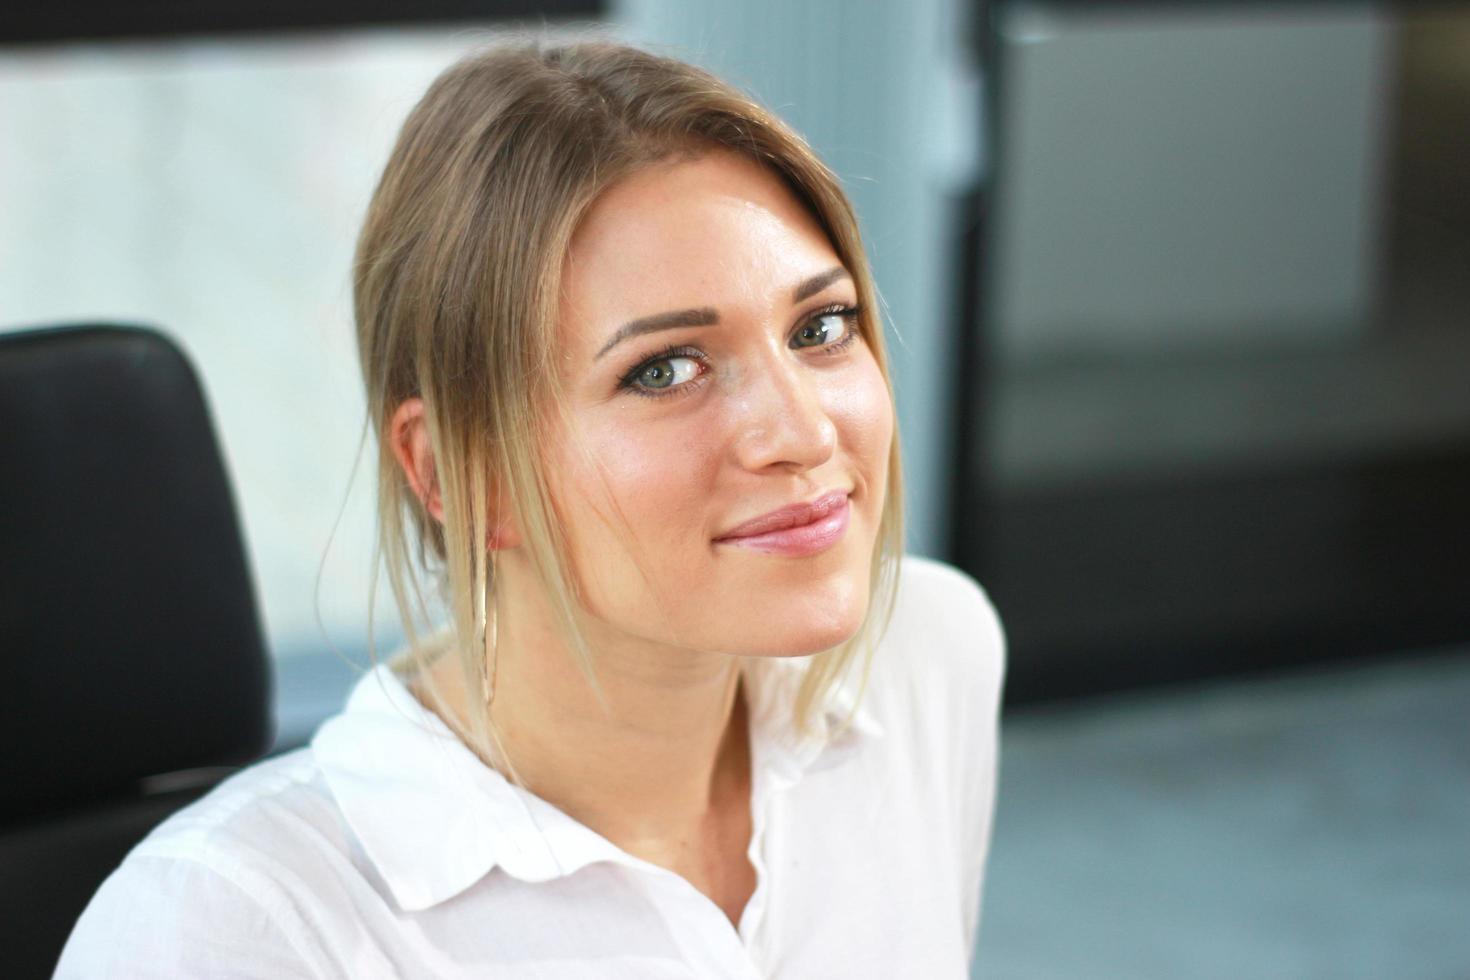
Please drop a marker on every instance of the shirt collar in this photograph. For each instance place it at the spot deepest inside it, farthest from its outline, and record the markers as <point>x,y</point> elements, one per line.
<point>771,686</point>
<point>433,819</point>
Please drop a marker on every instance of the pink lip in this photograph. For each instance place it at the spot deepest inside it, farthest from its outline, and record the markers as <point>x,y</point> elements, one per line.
<point>798,530</point>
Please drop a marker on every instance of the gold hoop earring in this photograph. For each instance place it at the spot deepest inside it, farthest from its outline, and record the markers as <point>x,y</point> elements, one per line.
<point>488,650</point>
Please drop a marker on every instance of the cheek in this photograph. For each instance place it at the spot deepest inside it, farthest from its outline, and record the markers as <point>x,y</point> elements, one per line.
<point>656,476</point>
<point>863,412</point>
<point>626,492</point>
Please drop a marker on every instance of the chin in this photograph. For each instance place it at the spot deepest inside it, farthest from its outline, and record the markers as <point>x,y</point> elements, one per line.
<point>818,620</point>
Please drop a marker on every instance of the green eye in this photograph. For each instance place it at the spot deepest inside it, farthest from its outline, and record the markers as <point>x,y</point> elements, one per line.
<point>667,372</point>
<point>656,376</point>
<point>819,331</point>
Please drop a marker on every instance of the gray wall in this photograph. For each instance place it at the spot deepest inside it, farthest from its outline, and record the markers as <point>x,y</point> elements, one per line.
<point>1182,177</point>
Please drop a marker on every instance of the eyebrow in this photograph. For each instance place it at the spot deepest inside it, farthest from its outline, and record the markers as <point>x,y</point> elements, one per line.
<point>703,317</point>
<point>707,316</point>
<point>817,283</point>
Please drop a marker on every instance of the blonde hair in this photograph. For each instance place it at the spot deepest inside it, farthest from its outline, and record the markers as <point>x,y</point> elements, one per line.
<point>456,286</point>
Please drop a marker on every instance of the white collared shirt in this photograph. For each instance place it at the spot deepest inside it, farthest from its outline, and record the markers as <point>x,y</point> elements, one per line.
<point>387,849</point>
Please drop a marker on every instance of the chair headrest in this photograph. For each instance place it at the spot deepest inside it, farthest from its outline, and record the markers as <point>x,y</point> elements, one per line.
<point>129,636</point>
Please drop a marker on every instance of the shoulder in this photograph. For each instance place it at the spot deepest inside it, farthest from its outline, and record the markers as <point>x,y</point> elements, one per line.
<point>213,889</point>
<point>945,625</point>
<point>943,665</point>
<point>272,812</point>
<point>937,587</point>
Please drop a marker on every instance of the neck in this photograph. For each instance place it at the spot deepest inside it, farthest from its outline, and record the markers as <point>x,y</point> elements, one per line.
<point>656,767</point>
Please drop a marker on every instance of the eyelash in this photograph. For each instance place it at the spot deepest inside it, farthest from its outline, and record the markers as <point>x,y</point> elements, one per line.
<point>849,314</point>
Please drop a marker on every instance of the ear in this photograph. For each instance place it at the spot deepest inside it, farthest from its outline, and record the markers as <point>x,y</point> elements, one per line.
<point>408,436</point>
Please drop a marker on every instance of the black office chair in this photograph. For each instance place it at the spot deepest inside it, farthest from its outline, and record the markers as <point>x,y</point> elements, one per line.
<point>134,671</point>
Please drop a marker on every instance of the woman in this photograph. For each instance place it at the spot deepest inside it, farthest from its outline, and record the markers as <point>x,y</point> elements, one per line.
<point>693,716</point>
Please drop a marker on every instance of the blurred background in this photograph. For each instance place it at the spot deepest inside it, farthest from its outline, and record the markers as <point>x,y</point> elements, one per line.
<point>1179,303</point>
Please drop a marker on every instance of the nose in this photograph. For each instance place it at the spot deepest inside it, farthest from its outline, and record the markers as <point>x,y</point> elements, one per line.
<point>782,420</point>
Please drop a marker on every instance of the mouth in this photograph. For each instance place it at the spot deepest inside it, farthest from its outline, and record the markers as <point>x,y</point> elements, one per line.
<point>797,530</point>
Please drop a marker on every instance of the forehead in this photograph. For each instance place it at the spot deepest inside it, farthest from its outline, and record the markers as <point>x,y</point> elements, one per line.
<point>716,230</point>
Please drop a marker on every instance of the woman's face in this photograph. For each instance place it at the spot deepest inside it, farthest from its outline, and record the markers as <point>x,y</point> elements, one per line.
<point>714,373</point>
